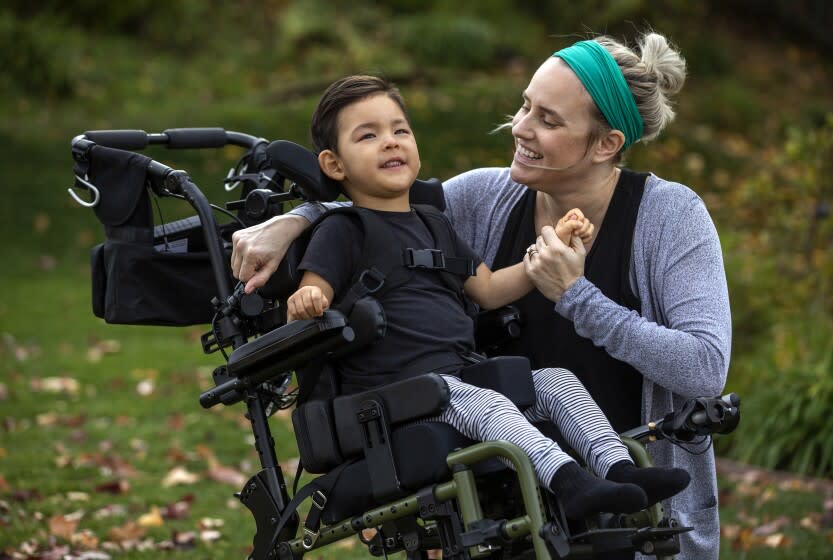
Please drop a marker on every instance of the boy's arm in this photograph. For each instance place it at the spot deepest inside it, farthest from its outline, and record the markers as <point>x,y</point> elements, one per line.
<point>493,289</point>
<point>311,298</point>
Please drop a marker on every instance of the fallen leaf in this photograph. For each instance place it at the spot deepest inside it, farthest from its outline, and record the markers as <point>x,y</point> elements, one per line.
<point>54,552</point>
<point>778,540</point>
<point>185,539</point>
<point>179,475</point>
<point>209,535</point>
<point>176,455</point>
<point>219,472</point>
<point>66,385</point>
<point>742,541</point>
<point>772,527</point>
<point>78,497</point>
<point>729,531</point>
<point>62,526</point>
<point>130,531</point>
<point>226,475</point>
<point>46,419</point>
<point>111,510</point>
<point>85,540</point>
<point>176,510</point>
<point>146,387</point>
<point>90,555</point>
<point>210,523</point>
<point>152,519</point>
<point>810,522</point>
<point>114,487</point>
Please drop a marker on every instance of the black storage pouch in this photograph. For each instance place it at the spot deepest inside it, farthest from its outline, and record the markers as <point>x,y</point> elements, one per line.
<point>316,436</point>
<point>143,275</point>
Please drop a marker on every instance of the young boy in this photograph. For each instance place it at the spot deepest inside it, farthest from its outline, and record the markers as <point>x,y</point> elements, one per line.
<point>361,130</point>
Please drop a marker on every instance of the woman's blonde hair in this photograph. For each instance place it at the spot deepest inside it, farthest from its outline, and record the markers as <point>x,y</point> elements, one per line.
<point>655,71</point>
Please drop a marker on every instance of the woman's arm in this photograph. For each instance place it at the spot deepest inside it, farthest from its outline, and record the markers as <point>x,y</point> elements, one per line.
<point>682,340</point>
<point>257,251</point>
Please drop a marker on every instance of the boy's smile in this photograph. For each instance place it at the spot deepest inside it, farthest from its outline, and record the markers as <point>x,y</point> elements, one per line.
<point>377,158</point>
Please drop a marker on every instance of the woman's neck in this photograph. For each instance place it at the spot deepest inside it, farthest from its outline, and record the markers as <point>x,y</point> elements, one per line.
<point>591,195</point>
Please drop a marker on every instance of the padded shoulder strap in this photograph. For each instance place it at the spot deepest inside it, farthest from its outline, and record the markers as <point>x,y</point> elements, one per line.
<point>444,237</point>
<point>381,267</point>
<point>454,270</point>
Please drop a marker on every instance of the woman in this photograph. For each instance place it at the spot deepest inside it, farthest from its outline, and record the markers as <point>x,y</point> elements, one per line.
<point>640,313</point>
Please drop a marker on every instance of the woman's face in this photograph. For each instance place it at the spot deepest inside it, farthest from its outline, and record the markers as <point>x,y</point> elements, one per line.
<point>552,126</point>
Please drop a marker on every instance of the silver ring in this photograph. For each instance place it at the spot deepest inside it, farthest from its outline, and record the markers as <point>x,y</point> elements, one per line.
<point>531,251</point>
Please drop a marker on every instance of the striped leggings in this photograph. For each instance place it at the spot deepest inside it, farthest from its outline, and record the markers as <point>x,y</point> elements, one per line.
<point>486,415</point>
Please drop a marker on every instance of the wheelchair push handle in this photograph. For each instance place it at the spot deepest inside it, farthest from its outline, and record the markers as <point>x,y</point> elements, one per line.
<point>719,416</point>
<point>174,138</point>
<point>701,416</point>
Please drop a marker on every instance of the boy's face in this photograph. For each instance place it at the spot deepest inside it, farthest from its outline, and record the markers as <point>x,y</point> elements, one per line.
<point>377,155</point>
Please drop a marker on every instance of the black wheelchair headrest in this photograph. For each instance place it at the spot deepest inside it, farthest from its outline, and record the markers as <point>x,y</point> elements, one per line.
<point>300,165</point>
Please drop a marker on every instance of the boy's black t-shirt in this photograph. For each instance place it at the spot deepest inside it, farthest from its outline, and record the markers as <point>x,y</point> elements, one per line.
<point>425,318</point>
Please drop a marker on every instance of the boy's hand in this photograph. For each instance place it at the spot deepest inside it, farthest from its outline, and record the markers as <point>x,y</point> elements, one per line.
<point>308,302</point>
<point>574,223</point>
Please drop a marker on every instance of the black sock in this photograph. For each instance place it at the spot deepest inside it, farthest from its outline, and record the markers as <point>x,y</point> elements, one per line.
<point>658,483</point>
<point>582,494</point>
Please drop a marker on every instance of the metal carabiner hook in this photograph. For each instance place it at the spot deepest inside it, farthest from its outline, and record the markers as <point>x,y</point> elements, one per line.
<point>231,173</point>
<point>90,187</point>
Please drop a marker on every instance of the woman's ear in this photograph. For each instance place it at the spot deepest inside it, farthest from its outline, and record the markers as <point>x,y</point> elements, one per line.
<point>609,145</point>
<point>331,165</point>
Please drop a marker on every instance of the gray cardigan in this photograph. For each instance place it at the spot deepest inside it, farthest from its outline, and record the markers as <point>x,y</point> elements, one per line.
<point>681,342</point>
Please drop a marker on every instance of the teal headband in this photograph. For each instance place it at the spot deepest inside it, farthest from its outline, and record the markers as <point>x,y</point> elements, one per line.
<point>603,79</point>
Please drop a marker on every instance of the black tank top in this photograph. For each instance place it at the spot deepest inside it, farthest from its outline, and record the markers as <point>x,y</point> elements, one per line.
<point>550,340</point>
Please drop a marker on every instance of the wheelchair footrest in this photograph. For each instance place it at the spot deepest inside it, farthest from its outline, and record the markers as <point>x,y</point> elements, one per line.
<point>647,540</point>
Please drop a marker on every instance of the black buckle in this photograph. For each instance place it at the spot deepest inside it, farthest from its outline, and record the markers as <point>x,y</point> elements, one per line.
<point>319,500</point>
<point>424,258</point>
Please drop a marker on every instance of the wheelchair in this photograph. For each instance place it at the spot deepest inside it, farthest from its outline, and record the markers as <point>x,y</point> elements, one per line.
<point>383,474</point>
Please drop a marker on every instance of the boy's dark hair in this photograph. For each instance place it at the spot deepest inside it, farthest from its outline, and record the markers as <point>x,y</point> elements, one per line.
<point>340,94</point>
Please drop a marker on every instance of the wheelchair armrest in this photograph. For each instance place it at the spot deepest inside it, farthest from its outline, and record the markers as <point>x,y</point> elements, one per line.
<point>287,347</point>
<point>403,401</point>
<point>279,351</point>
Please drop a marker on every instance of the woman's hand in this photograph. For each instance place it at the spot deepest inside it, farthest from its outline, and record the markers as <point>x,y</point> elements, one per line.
<point>553,266</point>
<point>257,251</point>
